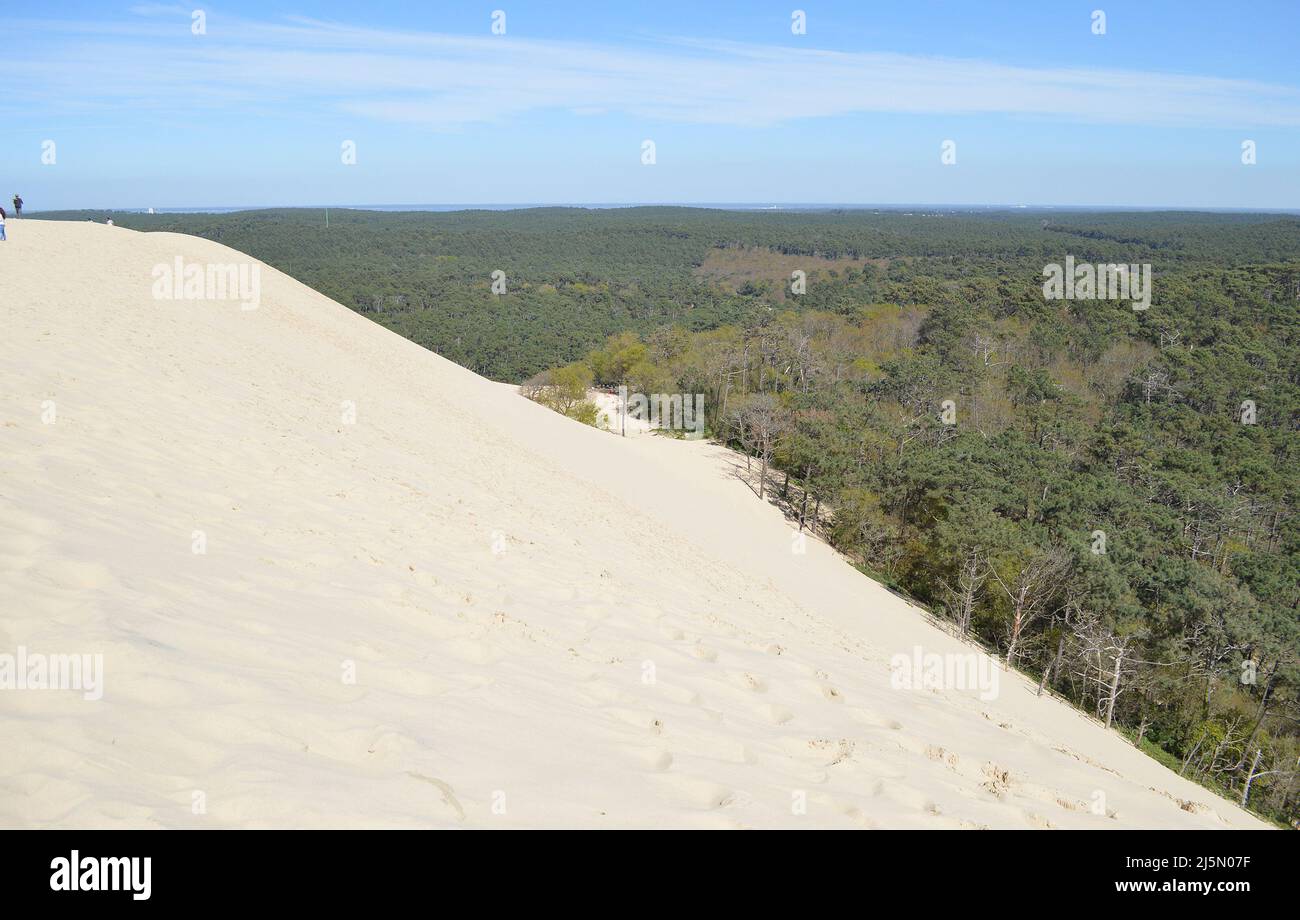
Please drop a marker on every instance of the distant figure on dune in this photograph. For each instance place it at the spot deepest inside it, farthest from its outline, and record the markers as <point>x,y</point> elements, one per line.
<point>18,205</point>
<point>109,221</point>
<point>2,224</point>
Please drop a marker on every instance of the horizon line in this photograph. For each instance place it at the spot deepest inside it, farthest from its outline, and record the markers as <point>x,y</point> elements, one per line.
<point>701,205</point>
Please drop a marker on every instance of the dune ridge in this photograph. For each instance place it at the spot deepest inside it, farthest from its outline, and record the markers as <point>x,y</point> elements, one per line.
<point>424,601</point>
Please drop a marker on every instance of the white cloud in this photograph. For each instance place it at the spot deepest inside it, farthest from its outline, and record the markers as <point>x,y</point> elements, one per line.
<point>448,81</point>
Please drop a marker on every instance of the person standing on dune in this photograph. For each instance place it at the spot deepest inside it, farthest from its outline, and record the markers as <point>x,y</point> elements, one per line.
<point>2,224</point>
<point>18,205</point>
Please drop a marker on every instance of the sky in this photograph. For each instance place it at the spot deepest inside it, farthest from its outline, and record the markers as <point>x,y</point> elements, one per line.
<point>230,104</point>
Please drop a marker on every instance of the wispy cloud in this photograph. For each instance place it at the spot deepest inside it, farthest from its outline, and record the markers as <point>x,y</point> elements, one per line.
<point>153,62</point>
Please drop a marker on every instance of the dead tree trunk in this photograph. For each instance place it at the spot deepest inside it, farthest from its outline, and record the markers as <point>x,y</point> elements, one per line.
<point>1054,664</point>
<point>803,509</point>
<point>1250,777</point>
<point>1114,686</point>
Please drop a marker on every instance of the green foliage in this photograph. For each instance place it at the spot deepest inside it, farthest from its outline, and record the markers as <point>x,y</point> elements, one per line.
<point>564,390</point>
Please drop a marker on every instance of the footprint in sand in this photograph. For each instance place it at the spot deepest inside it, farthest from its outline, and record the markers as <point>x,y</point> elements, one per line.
<point>671,631</point>
<point>747,681</point>
<point>698,792</point>
<point>820,688</point>
<point>946,757</point>
<point>777,715</point>
<point>908,797</point>
<point>876,720</point>
<point>653,759</point>
<point>637,718</point>
<point>704,653</point>
<point>595,614</point>
<point>824,751</point>
<point>847,809</point>
<point>679,694</point>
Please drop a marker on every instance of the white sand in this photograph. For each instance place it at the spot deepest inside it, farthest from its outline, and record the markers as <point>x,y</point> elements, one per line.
<point>610,416</point>
<point>492,689</point>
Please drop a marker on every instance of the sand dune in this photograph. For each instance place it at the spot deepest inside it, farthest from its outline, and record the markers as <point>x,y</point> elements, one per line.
<point>457,609</point>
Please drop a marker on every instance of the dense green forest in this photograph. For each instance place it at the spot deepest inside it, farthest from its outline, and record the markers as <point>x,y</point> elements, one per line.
<point>1106,496</point>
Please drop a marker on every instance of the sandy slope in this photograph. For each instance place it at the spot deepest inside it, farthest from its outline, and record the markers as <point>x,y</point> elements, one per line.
<point>645,650</point>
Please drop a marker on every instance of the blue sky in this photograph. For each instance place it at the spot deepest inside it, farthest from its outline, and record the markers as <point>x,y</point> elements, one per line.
<point>143,112</point>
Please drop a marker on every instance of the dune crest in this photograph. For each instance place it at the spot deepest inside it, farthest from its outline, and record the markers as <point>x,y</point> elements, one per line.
<point>337,580</point>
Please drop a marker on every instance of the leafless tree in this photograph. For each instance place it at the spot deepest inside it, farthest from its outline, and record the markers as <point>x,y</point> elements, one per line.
<point>761,420</point>
<point>966,586</point>
<point>1037,582</point>
<point>1104,661</point>
<point>1255,773</point>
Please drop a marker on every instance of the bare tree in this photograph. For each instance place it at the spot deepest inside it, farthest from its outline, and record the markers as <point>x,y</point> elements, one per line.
<point>1107,661</point>
<point>1250,777</point>
<point>1255,773</point>
<point>1038,580</point>
<point>1054,666</point>
<point>971,575</point>
<point>762,421</point>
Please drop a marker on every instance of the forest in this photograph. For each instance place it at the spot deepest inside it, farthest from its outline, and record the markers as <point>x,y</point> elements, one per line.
<point>1105,497</point>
